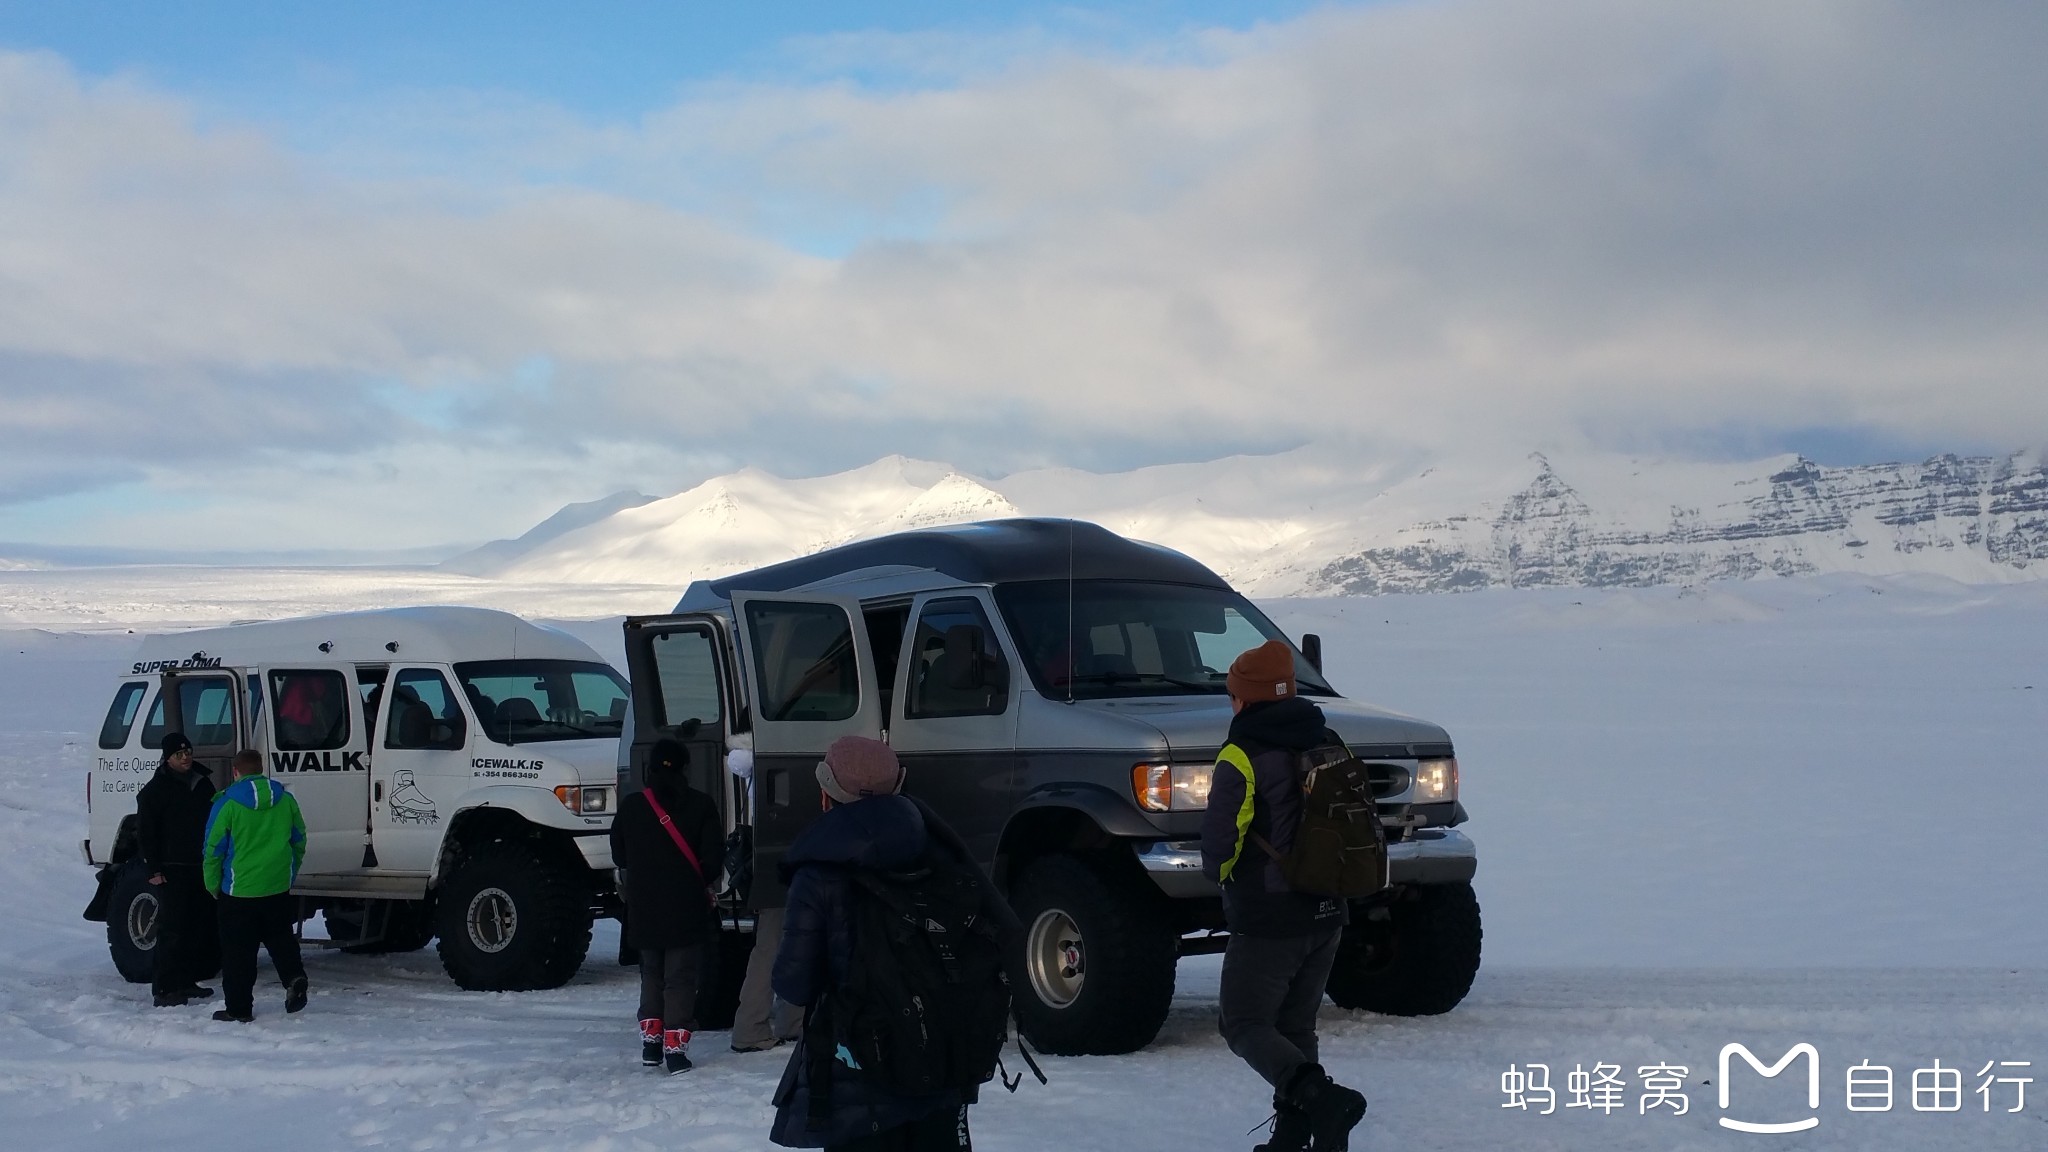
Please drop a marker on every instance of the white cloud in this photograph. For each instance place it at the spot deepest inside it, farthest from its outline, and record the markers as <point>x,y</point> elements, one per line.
<point>1440,223</point>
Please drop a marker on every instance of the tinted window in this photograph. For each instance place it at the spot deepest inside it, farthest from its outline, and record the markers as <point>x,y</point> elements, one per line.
<point>121,714</point>
<point>688,674</point>
<point>804,661</point>
<point>975,681</point>
<point>1101,638</point>
<point>531,701</point>
<point>309,709</point>
<point>208,707</point>
<point>424,713</point>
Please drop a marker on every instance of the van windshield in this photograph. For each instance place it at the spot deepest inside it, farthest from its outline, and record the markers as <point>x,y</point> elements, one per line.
<point>1115,638</point>
<point>531,701</point>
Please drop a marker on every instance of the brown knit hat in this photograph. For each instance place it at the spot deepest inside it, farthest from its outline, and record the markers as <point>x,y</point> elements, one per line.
<point>855,766</point>
<point>1262,673</point>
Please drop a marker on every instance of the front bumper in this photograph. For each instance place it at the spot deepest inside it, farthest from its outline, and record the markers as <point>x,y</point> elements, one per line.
<point>597,850</point>
<point>1428,856</point>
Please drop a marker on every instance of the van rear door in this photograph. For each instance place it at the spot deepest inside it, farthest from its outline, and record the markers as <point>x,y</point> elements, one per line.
<point>681,671</point>
<point>805,678</point>
<point>206,707</point>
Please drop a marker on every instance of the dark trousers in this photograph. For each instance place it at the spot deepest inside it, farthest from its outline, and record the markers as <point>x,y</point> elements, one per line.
<point>246,922</point>
<point>184,930</point>
<point>1272,987</point>
<point>938,1132</point>
<point>668,985</point>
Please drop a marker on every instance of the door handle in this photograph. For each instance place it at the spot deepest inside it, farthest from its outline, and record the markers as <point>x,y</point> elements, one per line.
<point>378,791</point>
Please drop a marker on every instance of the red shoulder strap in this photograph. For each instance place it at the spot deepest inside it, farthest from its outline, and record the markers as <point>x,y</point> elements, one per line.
<point>668,825</point>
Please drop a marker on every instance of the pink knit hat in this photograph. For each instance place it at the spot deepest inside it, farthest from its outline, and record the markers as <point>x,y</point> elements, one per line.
<point>855,766</point>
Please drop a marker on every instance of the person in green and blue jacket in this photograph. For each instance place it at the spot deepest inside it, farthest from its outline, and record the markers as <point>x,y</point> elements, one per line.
<point>255,841</point>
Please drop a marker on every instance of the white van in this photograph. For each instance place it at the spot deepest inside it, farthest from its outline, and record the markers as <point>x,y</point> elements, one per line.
<point>456,768</point>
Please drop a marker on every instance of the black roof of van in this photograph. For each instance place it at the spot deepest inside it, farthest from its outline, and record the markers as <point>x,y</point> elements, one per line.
<point>989,552</point>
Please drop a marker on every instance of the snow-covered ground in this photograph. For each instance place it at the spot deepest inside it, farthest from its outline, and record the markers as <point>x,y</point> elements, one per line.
<point>1769,813</point>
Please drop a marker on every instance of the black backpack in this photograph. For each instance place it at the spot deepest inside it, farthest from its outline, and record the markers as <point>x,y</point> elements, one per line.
<point>1339,849</point>
<point>924,1006</point>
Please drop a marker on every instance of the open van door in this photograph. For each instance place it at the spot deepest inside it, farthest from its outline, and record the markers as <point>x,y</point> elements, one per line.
<point>807,677</point>
<point>207,708</point>
<point>682,682</point>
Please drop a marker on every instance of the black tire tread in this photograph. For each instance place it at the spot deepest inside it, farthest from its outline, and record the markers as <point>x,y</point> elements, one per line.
<point>1435,957</point>
<point>1131,949</point>
<point>552,904</point>
<point>134,964</point>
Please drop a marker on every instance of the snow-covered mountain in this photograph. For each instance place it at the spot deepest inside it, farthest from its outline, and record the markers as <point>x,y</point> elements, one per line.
<point>1321,521</point>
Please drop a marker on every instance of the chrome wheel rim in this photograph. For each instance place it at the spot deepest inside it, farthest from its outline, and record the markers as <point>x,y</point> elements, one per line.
<point>493,920</point>
<point>1056,958</point>
<point>142,914</point>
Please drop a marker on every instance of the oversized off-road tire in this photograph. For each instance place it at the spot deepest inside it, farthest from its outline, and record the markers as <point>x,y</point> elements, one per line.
<point>1098,964</point>
<point>1417,960</point>
<point>725,969</point>
<point>132,911</point>
<point>408,927</point>
<point>512,918</point>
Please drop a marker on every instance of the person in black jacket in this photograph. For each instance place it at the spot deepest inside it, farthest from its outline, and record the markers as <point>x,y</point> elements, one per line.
<point>1282,942</point>
<point>170,828</point>
<point>866,825</point>
<point>670,916</point>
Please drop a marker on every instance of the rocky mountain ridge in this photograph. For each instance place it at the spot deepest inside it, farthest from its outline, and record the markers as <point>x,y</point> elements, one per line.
<point>1311,522</point>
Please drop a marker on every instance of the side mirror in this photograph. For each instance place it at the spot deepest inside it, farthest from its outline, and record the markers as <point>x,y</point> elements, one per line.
<point>962,658</point>
<point>1312,650</point>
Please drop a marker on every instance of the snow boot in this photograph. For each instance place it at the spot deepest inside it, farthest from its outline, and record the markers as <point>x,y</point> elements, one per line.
<point>1331,1109</point>
<point>1290,1129</point>
<point>295,995</point>
<point>169,999</point>
<point>650,1043</point>
<point>228,1017</point>
<point>675,1045</point>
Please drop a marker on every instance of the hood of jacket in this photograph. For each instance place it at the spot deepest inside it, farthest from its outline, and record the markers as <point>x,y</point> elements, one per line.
<point>880,833</point>
<point>255,793</point>
<point>1294,724</point>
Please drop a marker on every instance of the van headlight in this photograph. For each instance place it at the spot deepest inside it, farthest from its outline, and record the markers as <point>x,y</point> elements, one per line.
<point>1436,781</point>
<point>1171,787</point>
<point>584,801</point>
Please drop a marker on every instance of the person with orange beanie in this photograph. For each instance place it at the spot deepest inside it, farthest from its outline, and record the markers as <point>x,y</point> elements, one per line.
<point>1282,942</point>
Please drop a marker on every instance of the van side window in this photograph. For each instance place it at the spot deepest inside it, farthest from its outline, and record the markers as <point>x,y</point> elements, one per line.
<point>806,667</point>
<point>208,707</point>
<point>423,713</point>
<point>973,681</point>
<point>310,709</point>
<point>121,714</point>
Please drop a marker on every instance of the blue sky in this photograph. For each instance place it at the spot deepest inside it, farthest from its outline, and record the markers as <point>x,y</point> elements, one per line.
<point>605,59</point>
<point>268,271</point>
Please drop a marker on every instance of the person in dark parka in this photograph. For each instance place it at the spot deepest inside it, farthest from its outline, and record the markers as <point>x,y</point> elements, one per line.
<point>1282,942</point>
<point>669,912</point>
<point>866,826</point>
<point>170,829</point>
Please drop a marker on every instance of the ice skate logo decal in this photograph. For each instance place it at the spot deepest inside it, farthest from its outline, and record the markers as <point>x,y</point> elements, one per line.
<point>1785,1061</point>
<point>409,805</point>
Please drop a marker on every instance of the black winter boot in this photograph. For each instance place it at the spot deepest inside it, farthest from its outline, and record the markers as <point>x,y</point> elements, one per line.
<point>295,995</point>
<point>1290,1129</point>
<point>675,1050</point>
<point>1331,1108</point>
<point>650,1042</point>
